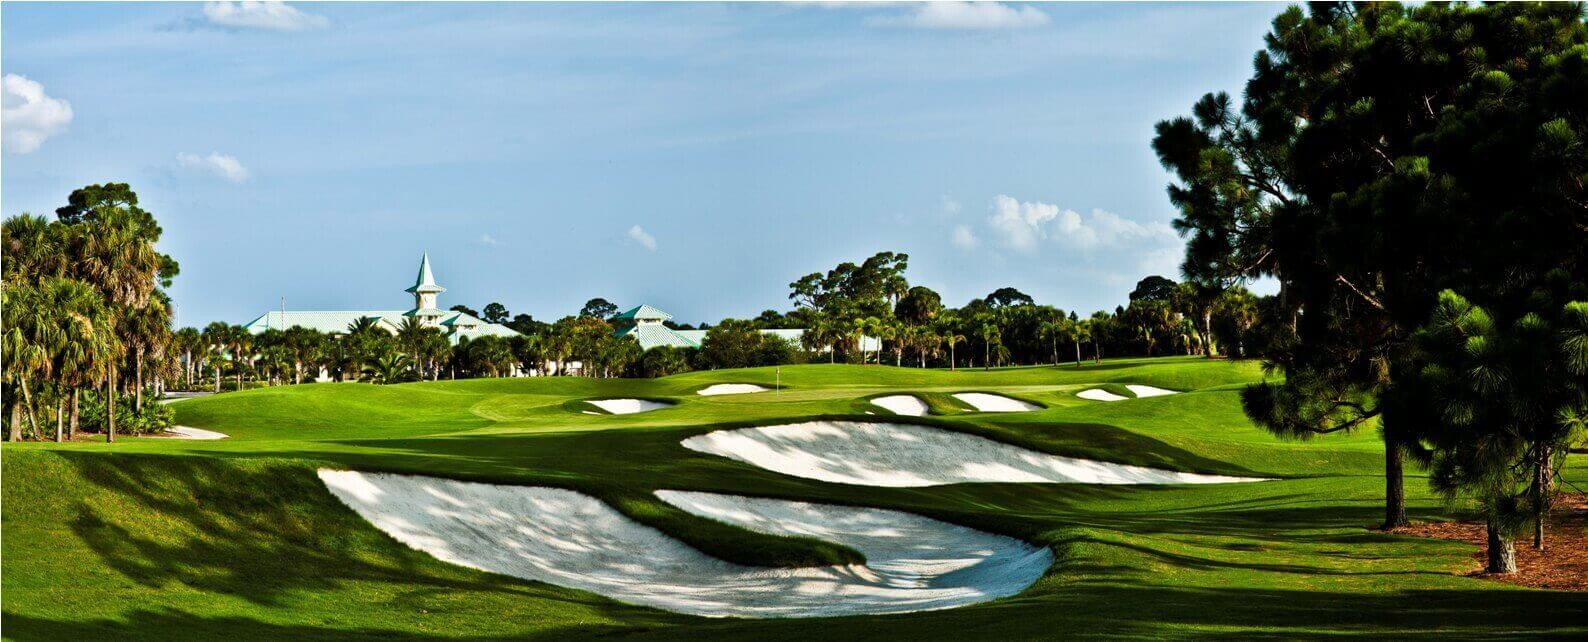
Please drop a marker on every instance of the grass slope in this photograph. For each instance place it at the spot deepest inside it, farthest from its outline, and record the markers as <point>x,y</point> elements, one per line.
<point>155,539</point>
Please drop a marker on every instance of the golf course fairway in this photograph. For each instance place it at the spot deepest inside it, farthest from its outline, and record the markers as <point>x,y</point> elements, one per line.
<point>158,538</point>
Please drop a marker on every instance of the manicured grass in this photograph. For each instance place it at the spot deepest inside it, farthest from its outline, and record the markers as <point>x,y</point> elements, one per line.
<point>155,539</point>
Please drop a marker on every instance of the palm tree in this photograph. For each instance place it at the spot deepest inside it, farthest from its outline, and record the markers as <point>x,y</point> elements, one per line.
<point>989,334</point>
<point>240,342</point>
<point>1080,331</point>
<point>187,340</point>
<point>145,329</point>
<point>216,335</point>
<point>1054,330</point>
<point>410,333</point>
<point>392,368</point>
<point>30,334</point>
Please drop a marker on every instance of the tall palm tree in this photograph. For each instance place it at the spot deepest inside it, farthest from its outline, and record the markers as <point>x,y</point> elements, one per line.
<point>145,329</point>
<point>187,341</point>
<point>239,341</point>
<point>216,335</point>
<point>989,334</point>
<point>1080,331</point>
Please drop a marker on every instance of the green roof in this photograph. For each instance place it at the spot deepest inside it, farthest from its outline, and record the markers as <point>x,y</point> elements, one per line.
<point>643,313</point>
<point>454,324</point>
<point>651,336</point>
<point>426,281</point>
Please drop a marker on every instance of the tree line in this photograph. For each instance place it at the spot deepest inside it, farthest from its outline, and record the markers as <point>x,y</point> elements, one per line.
<point>1414,179</point>
<point>86,318</point>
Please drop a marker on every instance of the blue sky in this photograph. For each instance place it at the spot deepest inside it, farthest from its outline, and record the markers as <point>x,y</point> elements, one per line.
<point>695,157</point>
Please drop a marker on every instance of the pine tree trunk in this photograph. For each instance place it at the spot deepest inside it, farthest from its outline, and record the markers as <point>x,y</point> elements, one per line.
<point>1077,354</point>
<point>1207,334</point>
<point>1394,486</point>
<point>71,428</point>
<point>1501,552</point>
<point>1541,475</point>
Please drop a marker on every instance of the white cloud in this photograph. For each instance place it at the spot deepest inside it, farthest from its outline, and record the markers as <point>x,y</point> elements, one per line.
<point>223,165</point>
<point>980,16</point>
<point>964,238</point>
<point>1021,224</point>
<point>488,240</point>
<point>29,115</point>
<point>644,238</point>
<point>271,16</point>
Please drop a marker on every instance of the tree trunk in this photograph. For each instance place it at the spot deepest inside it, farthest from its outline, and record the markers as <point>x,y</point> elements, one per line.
<point>137,368</point>
<point>110,406</point>
<point>1394,486</point>
<point>1077,353</point>
<point>27,399</point>
<point>217,379</point>
<point>951,356</point>
<point>1501,553</point>
<point>1207,334</point>
<point>71,427</point>
<point>1541,483</point>
<point>187,368</point>
<point>16,421</point>
<point>60,420</point>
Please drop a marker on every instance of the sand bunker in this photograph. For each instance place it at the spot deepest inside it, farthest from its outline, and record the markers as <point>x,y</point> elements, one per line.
<point>994,403</point>
<point>908,405</point>
<point>901,455</point>
<point>187,432</point>
<point>729,389</point>
<point>628,406</point>
<point>1099,394</point>
<point>570,539</point>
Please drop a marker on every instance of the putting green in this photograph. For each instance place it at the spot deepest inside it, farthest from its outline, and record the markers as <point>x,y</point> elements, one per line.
<point>165,538</point>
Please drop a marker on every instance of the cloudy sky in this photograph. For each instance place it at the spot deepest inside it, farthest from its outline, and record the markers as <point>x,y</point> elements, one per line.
<point>695,157</point>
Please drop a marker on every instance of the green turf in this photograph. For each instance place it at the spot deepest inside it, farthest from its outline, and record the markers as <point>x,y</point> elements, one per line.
<point>162,539</point>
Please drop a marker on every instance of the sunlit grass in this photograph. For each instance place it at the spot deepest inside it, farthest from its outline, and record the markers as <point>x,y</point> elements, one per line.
<point>156,538</point>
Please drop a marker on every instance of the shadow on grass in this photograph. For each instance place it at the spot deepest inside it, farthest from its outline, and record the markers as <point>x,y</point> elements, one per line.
<point>171,624</point>
<point>253,530</point>
<point>1081,610</point>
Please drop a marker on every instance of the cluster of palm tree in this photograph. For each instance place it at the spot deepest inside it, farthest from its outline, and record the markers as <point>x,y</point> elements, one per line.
<point>369,350</point>
<point>85,317</point>
<point>1190,319</point>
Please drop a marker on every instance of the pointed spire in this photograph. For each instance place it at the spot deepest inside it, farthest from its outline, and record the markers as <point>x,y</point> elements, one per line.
<point>426,283</point>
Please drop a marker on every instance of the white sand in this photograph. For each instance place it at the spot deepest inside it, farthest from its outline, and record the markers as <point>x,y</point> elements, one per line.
<point>994,403</point>
<point>729,389</point>
<point>907,405</point>
<point>1099,394</point>
<point>570,539</point>
<point>188,432</point>
<point>900,455</point>
<point>1147,391</point>
<point>628,406</point>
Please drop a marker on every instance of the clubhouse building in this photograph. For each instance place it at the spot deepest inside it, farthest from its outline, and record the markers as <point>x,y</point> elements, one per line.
<point>455,325</point>
<point>647,325</point>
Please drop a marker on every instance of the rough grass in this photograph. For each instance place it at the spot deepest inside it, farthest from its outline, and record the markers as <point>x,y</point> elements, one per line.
<point>161,539</point>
